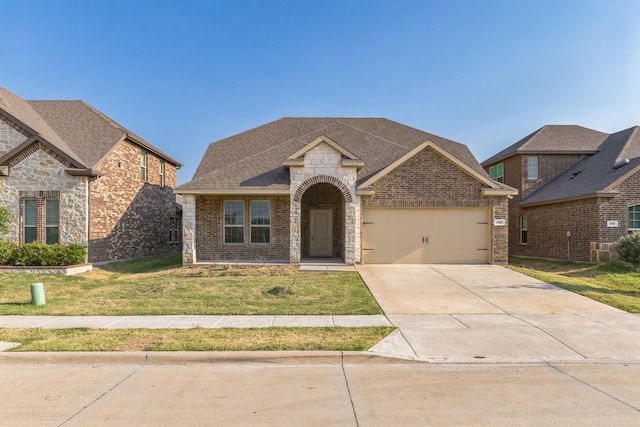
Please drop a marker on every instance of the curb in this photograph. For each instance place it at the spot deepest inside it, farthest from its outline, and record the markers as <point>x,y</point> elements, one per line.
<point>191,358</point>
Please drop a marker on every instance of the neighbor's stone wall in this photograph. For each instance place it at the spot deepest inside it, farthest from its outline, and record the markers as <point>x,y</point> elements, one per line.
<point>430,180</point>
<point>209,223</point>
<point>324,164</point>
<point>130,217</point>
<point>39,173</point>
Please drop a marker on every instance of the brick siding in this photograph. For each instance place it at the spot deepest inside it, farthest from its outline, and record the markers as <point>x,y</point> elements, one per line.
<point>130,217</point>
<point>210,246</point>
<point>429,180</point>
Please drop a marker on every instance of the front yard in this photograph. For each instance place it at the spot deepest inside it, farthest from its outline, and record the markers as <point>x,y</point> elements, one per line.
<point>611,284</point>
<point>161,286</point>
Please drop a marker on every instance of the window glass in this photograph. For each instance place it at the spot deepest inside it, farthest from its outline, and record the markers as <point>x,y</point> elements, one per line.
<point>634,218</point>
<point>143,165</point>
<point>51,221</point>
<point>492,172</point>
<point>161,173</point>
<point>234,221</point>
<point>532,167</point>
<point>524,227</point>
<point>260,221</point>
<point>500,172</point>
<point>30,220</point>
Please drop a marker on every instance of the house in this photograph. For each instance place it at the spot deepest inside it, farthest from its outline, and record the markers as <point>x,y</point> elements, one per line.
<point>579,191</point>
<point>362,190</point>
<point>68,173</point>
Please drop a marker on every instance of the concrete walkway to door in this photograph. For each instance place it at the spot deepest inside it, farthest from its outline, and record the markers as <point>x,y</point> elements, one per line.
<point>488,313</point>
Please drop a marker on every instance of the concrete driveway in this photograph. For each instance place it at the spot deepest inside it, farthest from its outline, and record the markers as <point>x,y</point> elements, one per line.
<point>487,312</point>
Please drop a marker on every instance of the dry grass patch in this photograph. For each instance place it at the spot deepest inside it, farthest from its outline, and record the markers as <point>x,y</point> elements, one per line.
<point>161,286</point>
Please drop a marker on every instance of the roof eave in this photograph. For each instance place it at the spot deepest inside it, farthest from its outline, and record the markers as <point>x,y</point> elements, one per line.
<point>499,192</point>
<point>232,191</point>
<point>602,194</point>
<point>492,161</point>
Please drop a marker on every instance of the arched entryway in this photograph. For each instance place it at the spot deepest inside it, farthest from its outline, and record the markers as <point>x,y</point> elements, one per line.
<point>322,222</point>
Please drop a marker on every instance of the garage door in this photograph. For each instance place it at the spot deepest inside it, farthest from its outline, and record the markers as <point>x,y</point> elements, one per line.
<point>429,235</point>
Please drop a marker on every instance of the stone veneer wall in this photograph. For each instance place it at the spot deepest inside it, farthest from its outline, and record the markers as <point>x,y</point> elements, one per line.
<point>39,173</point>
<point>324,164</point>
<point>130,217</point>
<point>430,180</point>
<point>205,213</point>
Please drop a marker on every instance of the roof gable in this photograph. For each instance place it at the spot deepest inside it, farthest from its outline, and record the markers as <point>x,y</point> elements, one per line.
<point>553,139</point>
<point>597,175</point>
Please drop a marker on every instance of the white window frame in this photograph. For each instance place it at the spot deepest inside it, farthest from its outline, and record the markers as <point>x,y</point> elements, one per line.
<point>24,220</point>
<point>633,209</point>
<point>253,226</point>
<point>161,170</point>
<point>143,165</point>
<point>240,226</point>
<point>524,229</point>
<point>532,167</point>
<point>48,226</point>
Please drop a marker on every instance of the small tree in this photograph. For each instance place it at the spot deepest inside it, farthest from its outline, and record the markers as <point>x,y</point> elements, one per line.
<point>628,248</point>
<point>5,219</point>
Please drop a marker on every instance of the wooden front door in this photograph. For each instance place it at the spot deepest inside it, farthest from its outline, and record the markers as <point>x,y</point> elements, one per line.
<point>321,233</point>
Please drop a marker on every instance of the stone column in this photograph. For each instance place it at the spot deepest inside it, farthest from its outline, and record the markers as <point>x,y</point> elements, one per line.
<point>188,229</point>
<point>294,218</point>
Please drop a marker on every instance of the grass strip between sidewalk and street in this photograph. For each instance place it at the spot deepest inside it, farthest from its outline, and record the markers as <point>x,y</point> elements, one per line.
<point>196,339</point>
<point>612,284</point>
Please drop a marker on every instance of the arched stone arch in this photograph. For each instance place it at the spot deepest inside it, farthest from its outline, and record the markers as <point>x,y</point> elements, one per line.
<point>323,179</point>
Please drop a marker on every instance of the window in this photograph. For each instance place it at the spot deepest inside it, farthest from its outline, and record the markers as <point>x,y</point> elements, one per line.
<point>260,221</point>
<point>524,226</point>
<point>51,221</point>
<point>143,165</point>
<point>161,173</point>
<point>30,220</point>
<point>532,167</point>
<point>40,220</point>
<point>497,172</point>
<point>234,221</point>
<point>174,230</point>
<point>634,218</point>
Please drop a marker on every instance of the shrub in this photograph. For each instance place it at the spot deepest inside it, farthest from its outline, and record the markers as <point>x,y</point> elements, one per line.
<point>7,252</point>
<point>37,254</point>
<point>5,219</point>
<point>628,248</point>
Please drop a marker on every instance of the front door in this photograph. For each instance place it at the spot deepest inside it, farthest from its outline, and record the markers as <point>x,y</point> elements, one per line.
<point>321,233</point>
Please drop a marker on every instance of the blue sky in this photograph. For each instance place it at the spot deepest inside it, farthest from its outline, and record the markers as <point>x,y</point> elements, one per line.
<point>182,74</point>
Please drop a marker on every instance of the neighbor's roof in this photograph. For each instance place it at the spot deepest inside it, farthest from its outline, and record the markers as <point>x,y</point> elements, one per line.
<point>553,139</point>
<point>597,175</point>
<point>253,160</point>
<point>78,130</point>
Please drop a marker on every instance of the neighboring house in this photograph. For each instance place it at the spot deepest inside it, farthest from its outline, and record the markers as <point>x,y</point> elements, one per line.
<point>579,191</point>
<point>364,190</point>
<point>70,174</point>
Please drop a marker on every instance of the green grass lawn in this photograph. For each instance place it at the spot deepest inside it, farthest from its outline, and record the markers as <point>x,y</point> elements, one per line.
<point>161,286</point>
<point>197,339</point>
<point>611,284</point>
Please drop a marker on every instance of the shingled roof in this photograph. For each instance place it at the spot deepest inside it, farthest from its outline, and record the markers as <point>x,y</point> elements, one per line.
<point>252,160</point>
<point>618,157</point>
<point>77,130</point>
<point>554,139</point>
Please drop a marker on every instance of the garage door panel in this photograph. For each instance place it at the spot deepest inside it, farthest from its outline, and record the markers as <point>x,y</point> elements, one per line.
<point>416,235</point>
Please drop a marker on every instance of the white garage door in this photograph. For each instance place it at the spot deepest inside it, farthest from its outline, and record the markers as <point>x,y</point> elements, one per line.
<point>426,236</point>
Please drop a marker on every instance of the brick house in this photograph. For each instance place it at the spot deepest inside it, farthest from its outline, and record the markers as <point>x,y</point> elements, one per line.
<point>579,191</point>
<point>359,190</point>
<point>68,173</point>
